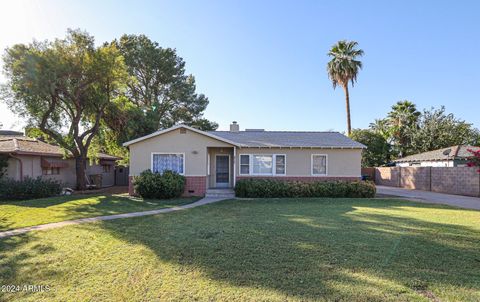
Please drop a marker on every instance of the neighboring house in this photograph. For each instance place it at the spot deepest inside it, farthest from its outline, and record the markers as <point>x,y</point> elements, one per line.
<point>455,156</point>
<point>32,157</point>
<point>217,159</point>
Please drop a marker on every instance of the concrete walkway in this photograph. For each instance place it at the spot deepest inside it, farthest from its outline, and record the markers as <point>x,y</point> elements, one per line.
<point>60,224</point>
<point>466,202</point>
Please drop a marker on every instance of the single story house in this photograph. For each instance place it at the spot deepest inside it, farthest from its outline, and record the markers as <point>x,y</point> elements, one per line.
<point>455,156</point>
<point>217,159</point>
<point>32,157</point>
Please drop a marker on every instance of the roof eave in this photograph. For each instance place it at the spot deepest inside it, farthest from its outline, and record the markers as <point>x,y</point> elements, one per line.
<point>160,132</point>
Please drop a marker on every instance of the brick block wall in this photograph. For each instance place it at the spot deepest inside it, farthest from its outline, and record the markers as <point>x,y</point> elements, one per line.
<point>302,178</point>
<point>417,178</point>
<point>194,186</point>
<point>450,180</point>
<point>459,180</point>
<point>388,176</point>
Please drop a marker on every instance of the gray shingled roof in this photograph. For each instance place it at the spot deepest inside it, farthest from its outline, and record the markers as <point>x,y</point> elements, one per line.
<point>288,139</point>
<point>456,152</point>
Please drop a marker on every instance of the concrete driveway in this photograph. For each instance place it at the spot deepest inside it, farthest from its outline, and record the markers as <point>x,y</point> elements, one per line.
<point>432,197</point>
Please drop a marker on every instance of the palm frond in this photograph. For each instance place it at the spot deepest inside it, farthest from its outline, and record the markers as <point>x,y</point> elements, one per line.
<point>344,65</point>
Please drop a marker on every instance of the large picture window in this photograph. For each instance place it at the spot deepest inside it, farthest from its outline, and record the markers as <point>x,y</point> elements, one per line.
<point>319,164</point>
<point>262,164</point>
<point>168,161</point>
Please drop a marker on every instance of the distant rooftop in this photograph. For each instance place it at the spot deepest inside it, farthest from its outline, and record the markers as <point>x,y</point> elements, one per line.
<point>453,152</point>
<point>19,144</point>
<point>10,132</point>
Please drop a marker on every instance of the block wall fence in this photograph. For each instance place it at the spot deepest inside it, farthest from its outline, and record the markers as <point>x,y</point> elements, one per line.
<point>450,180</point>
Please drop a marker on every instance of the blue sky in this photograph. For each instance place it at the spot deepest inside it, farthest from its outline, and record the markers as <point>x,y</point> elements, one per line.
<point>263,63</point>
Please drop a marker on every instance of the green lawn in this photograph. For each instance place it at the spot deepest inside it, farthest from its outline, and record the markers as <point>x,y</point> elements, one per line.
<point>16,214</point>
<point>257,250</point>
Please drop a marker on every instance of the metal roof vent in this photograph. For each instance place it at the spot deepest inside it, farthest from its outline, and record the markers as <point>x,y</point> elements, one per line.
<point>254,130</point>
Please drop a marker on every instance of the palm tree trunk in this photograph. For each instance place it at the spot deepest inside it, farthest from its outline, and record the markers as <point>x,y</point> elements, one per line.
<point>347,99</point>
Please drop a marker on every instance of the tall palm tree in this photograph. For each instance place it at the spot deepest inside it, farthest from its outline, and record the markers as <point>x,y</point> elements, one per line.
<point>344,68</point>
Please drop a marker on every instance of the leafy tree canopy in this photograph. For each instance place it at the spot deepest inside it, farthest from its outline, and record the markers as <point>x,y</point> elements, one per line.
<point>63,88</point>
<point>438,129</point>
<point>159,93</point>
<point>409,131</point>
<point>378,149</point>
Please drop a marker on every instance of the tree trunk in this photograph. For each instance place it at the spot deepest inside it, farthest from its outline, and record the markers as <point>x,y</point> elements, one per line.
<point>347,99</point>
<point>80,166</point>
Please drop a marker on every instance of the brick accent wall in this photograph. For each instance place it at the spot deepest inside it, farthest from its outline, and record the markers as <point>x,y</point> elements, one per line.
<point>302,178</point>
<point>194,186</point>
<point>450,180</point>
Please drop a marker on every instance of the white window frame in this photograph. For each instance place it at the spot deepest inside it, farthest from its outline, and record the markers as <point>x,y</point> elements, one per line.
<point>168,153</point>
<point>285,164</point>
<point>240,164</point>
<point>250,165</point>
<point>326,165</point>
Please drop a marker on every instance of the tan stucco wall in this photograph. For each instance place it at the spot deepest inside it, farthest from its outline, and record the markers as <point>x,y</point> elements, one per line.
<point>13,169</point>
<point>340,162</point>
<point>194,146</point>
<point>32,168</point>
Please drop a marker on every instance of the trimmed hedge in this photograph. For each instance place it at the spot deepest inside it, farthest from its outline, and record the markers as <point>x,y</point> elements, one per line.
<point>272,188</point>
<point>151,185</point>
<point>28,188</point>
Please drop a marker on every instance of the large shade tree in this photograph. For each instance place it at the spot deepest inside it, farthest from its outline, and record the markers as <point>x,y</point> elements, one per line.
<point>159,93</point>
<point>343,68</point>
<point>63,88</point>
<point>437,129</point>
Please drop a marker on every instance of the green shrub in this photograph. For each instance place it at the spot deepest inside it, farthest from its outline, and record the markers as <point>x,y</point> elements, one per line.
<point>3,165</point>
<point>272,188</point>
<point>150,185</point>
<point>28,188</point>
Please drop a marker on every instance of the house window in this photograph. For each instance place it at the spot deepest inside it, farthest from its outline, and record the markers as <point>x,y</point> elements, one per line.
<point>319,164</point>
<point>51,171</point>
<point>280,164</point>
<point>106,168</point>
<point>245,164</point>
<point>168,161</point>
<point>262,164</point>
